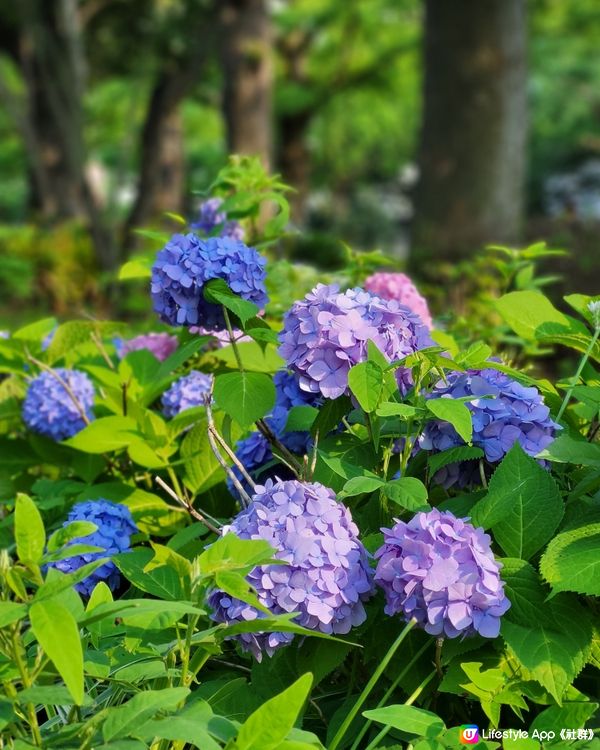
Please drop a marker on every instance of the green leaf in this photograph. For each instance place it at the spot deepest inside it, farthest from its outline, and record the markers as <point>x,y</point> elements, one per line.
<point>532,316</point>
<point>161,582</point>
<point>188,726</point>
<point>570,715</point>
<point>437,461</point>
<point>523,506</point>
<point>269,725</point>
<point>217,292</point>
<point>245,396</point>
<point>138,268</point>
<point>366,383</point>
<point>124,720</point>
<point>571,561</point>
<point>301,418</point>
<point>56,631</point>
<point>524,590</point>
<point>475,355</point>
<point>11,612</point>
<point>407,719</point>
<point>330,415</point>
<point>229,552</point>
<point>359,485</point>
<point>568,450</point>
<point>75,530</point>
<point>202,470</point>
<point>407,492</point>
<point>104,435</point>
<point>237,586</point>
<point>455,412</point>
<point>30,535</point>
<point>393,409</point>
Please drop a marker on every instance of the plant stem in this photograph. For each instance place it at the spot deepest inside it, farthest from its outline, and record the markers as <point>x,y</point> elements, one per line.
<point>26,680</point>
<point>389,692</point>
<point>372,745</point>
<point>190,508</point>
<point>439,642</point>
<point>232,340</point>
<point>577,375</point>
<point>370,685</point>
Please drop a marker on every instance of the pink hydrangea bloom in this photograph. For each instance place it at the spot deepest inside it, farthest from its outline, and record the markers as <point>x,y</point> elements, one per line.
<point>399,286</point>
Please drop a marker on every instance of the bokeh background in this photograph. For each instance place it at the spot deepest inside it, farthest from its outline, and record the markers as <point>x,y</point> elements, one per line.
<point>425,129</point>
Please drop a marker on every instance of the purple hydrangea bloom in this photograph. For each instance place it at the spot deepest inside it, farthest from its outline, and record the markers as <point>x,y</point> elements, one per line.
<point>162,345</point>
<point>327,332</point>
<point>185,393</point>
<point>187,262</point>
<point>48,338</point>
<point>514,414</point>
<point>440,570</point>
<point>48,408</point>
<point>401,287</point>
<point>220,338</point>
<point>327,577</point>
<point>115,527</point>
<point>211,219</point>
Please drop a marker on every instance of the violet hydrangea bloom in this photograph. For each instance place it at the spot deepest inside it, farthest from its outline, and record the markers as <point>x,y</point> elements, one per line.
<point>113,535</point>
<point>162,345</point>
<point>514,414</point>
<point>327,332</point>
<point>440,570</point>
<point>220,338</point>
<point>187,262</point>
<point>189,391</point>
<point>210,219</point>
<point>49,409</point>
<point>400,287</point>
<point>327,577</point>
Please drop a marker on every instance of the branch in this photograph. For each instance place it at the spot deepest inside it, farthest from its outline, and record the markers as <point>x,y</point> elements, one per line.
<point>188,506</point>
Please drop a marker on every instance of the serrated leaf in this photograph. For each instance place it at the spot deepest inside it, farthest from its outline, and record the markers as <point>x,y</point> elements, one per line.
<point>366,383</point>
<point>301,418</point>
<point>407,719</point>
<point>330,415</point>
<point>56,631</point>
<point>568,450</point>
<point>437,461</point>
<point>523,506</point>
<point>360,485</point>
<point>217,292</point>
<point>30,535</point>
<point>571,561</point>
<point>104,435</point>
<point>407,492</point>
<point>393,409</point>
<point>245,396</point>
<point>122,721</point>
<point>455,412</point>
<point>74,530</point>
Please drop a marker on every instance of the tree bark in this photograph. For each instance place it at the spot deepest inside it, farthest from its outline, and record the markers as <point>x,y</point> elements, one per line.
<point>294,160</point>
<point>248,72</point>
<point>472,149</point>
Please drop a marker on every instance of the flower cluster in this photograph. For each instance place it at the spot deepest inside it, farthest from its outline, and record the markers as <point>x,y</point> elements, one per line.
<point>255,451</point>
<point>400,287</point>
<point>511,413</point>
<point>220,338</point>
<point>50,409</point>
<point>187,262</point>
<point>440,570</point>
<point>210,219</point>
<point>327,576</point>
<point>113,535</point>
<point>327,332</point>
<point>185,393</point>
<point>162,345</point>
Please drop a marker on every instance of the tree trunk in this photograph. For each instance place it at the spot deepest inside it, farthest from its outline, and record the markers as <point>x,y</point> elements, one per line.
<point>162,175</point>
<point>248,72</point>
<point>294,160</point>
<point>472,150</point>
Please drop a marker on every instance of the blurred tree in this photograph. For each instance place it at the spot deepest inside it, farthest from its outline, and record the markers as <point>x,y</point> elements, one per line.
<point>246,55</point>
<point>472,152</point>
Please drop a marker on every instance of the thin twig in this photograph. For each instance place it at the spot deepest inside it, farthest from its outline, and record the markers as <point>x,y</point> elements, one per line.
<point>313,462</point>
<point>482,473</point>
<point>188,506</point>
<point>65,385</point>
<point>288,458</point>
<point>223,443</point>
<point>439,642</point>
<point>100,346</point>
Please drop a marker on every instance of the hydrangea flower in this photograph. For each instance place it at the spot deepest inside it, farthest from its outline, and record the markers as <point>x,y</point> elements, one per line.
<point>211,218</point>
<point>327,576</point>
<point>400,287</point>
<point>185,393</point>
<point>514,414</point>
<point>48,408</point>
<point>113,535</point>
<point>220,338</point>
<point>162,345</point>
<point>187,262</point>
<point>327,332</point>
<point>440,570</point>
<point>255,451</point>
<point>48,338</point>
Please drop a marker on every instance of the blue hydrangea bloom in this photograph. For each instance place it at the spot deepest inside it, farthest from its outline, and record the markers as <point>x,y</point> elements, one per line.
<point>327,333</point>
<point>113,535</point>
<point>185,393</point>
<point>49,410</point>
<point>440,570</point>
<point>514,414</point>
<point>210,219</point>
<point>327,577</point>
<point>47,340</point>
<point>187,262</point>
<point>255,451</point>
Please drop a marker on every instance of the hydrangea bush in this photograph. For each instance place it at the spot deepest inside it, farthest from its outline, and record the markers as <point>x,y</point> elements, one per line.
<point>419,523</point>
